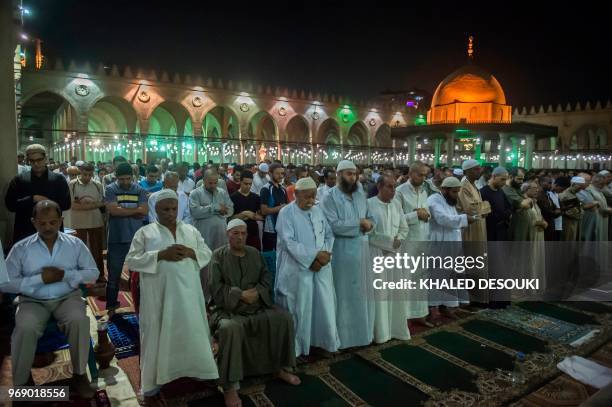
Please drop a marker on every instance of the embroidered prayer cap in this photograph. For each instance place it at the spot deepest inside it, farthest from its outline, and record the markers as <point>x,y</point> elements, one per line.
<point>234,223</point>
<point>458,172</point>
<point>499,171</point>
<point>451,182</point>
<point>263,167</point>
<point>469,164</point>
<point>346,165</point>
<point>167,194</point>
<point>305,183</point>
<point>578,180</point>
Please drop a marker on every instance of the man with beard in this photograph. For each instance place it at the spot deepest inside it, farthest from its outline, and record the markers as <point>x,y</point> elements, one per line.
<point>260,178</point>
<point>273,198</point>
<point>470,202</point>
<point>571,208</point>
<point>210,207</point>
<point>304,283</point>
<point>547,207</point>
<point>596,211</point>
<point>501,210</point>
<point>346,210</point>
<point>519,224</point>
<point>445,226</point>
<point>175,337</point>
<point>434,183</point>
<point>484,178</point>
<point>391,313</point>
<point>412,197</point>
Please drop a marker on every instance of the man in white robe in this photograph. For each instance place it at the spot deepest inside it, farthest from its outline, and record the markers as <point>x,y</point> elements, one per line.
<point>346,209</point>
<point>445,226</point>
<point>304,283</point>
<point>412,196</point>
<point>171,181</point>
<point>210,207</point>
<point>391,313</point>
<point>175,338</point>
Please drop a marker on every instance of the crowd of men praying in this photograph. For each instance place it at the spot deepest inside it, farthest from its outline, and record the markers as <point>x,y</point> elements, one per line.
<point>244,269</point>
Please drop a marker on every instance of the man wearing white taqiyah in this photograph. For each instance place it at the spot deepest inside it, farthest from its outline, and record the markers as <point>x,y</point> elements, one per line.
<point>260,178</point>
<point>346,209</point>
<point>304,283</point>
<point>445,226</point>
<point>174,334</point>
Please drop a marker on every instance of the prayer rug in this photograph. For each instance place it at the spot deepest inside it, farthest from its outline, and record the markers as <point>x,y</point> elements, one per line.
<point>126,303</point>
<point>540,323</point>
<point>468,362</point>
<point>123,332</point>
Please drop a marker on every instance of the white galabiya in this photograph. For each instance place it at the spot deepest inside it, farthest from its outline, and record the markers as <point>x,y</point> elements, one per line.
<point>174,333</point>
<point>392,312</point>
<point>307,293</point>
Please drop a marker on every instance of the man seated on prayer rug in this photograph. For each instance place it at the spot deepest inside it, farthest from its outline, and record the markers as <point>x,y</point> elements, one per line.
<point>254,336</point>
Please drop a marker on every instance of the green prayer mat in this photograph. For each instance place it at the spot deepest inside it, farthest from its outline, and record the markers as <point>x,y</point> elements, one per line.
<point>468,361</point>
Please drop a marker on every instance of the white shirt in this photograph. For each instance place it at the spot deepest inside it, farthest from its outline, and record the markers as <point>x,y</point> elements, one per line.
<point>258,183</point>
<point>445,223</point>
<point>181,214</point>
<point>186,186</point>
<point>390,223</point>
<point>410,200</point>
<point>28,256</point>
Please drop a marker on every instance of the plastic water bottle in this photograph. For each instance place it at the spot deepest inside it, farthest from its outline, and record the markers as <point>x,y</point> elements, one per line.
<point>518,374</point>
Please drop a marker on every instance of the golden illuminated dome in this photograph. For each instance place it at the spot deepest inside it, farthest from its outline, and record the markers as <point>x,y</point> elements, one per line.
<point>469,84</point>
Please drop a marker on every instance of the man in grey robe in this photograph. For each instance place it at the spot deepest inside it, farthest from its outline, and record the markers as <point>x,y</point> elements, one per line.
<point>255,338</point>
<point>346,209</point>
<point>210,206</point>
<point>596,211</point>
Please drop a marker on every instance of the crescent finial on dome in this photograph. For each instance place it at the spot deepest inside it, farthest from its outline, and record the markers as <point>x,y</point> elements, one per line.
<point>470,50</point>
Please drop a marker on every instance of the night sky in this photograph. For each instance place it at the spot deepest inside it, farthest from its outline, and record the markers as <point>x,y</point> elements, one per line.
<point>353,49</point>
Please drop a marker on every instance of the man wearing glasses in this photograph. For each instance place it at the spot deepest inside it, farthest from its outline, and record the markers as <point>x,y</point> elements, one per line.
<point>28,188</point>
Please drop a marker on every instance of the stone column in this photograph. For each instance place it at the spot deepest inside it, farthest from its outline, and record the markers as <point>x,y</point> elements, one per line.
<point>82,131</point>
<point>503,144</point>
<point>8,117</point>
<point>143,125</point>
<point>411,149</point>
<point>394,153</point>
<point>529,147</point>
<point>437,145</point>
<point>196,129</point>
<point>450,149</point>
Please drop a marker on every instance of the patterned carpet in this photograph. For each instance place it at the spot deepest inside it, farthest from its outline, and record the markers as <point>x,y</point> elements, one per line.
<point>463,363</point>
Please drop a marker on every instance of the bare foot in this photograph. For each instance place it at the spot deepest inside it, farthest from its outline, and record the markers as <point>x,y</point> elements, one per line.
<point>448,313</point>
<point>288,377</point>
<point>232,399</point>
<point>424,322</point>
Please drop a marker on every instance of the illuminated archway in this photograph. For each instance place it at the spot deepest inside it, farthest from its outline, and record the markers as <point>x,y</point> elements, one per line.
<point>49,119</point>
<point>262,135</point>
<point>221,132</point>
<point>327,142</point>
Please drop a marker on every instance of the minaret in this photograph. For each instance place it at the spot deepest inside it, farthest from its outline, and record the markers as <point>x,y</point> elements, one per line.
<point>470,50</point>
